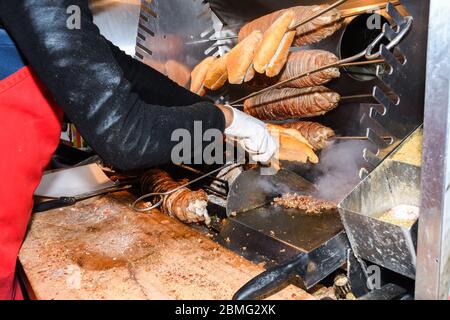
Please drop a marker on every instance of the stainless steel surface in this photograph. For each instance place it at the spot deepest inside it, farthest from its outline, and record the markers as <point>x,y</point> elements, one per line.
<point>175,30</point>
<point>117,21</point>
<point>387,292</point>
<point>433,256</point>
<point>399,117</point>
<point>386,244</point>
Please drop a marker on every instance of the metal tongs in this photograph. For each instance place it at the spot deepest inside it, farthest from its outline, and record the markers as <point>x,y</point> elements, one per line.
<point>395,38</point>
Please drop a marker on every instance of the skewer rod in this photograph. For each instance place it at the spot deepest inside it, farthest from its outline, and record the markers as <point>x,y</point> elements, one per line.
<point>368,10</point>
<point>333,65</point>
<point>358,138</point>
<point>322,12</point>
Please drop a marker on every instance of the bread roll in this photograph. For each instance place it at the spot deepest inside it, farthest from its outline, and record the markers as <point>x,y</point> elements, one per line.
<point>198,76</point>
<point>292,145</point>
<point>274,48</point>
<point>240,59</point>
<point>217,74</point>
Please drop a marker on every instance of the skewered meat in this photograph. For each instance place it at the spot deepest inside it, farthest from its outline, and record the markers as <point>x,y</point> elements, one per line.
<point>273,51</point>
<point>292,145</point>
<point>186,205</point>
<point>198,76</point>
<point>306,203</point>
<point>288,103</point>
<point>312,32</point>
<point>316,134</point>
<point>217,74</point>
<point>240,59</point>
<point>300,62</point>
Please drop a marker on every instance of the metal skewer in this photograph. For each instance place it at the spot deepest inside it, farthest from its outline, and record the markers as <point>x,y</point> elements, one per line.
<point>342,63</point>
<point>370,9</point>
<point>356,96</point>
<point>357,138</point>
<point>320,13</point>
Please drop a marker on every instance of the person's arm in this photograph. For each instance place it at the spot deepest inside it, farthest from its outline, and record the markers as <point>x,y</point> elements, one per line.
<point>80,71</point>
<point>160,90</point>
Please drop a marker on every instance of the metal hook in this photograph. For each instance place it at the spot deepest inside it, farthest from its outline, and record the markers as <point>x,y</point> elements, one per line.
<point>394,42</point>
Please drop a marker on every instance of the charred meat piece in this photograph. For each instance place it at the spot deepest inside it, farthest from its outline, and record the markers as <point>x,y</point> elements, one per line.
<point>308,204</point>
<point>312,32</point>
<point>316,134</point>
<point>186,205</point>
<point>290,103</point>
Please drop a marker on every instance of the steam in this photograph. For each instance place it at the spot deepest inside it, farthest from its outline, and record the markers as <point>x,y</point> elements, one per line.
<point>336,175</point>
<point>338,170</point>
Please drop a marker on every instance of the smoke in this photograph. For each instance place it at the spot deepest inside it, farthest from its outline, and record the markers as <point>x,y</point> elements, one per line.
<point>338,170</point>
<point>334,177</point>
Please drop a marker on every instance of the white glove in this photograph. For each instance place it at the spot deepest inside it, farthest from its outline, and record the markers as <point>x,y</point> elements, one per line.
<point>252,135</point>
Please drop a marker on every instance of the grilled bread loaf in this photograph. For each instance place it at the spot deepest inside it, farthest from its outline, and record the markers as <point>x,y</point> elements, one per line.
<point>300,62</point>
<point>186,205</point>
<point>273,51</point>
<point>240,59</point>
<point>288,103</point>
<point>292,145</point>
<point>198,76</point>
<point>217,74</point>
<point>312,32</point>
<point>316,134</point>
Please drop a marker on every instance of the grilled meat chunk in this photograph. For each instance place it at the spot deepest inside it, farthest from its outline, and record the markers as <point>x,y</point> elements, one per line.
<point>289,103</point>
<point>312,32</point>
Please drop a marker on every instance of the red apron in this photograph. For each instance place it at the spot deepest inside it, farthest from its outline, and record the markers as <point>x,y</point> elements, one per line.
<point>30,127</point>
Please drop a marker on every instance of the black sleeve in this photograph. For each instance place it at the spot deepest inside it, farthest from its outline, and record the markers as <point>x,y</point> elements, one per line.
<point>79,69</point>
<point>161,90</point>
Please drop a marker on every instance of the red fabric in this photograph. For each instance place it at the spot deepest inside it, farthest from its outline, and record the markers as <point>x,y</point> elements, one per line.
<point>30,127</point>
